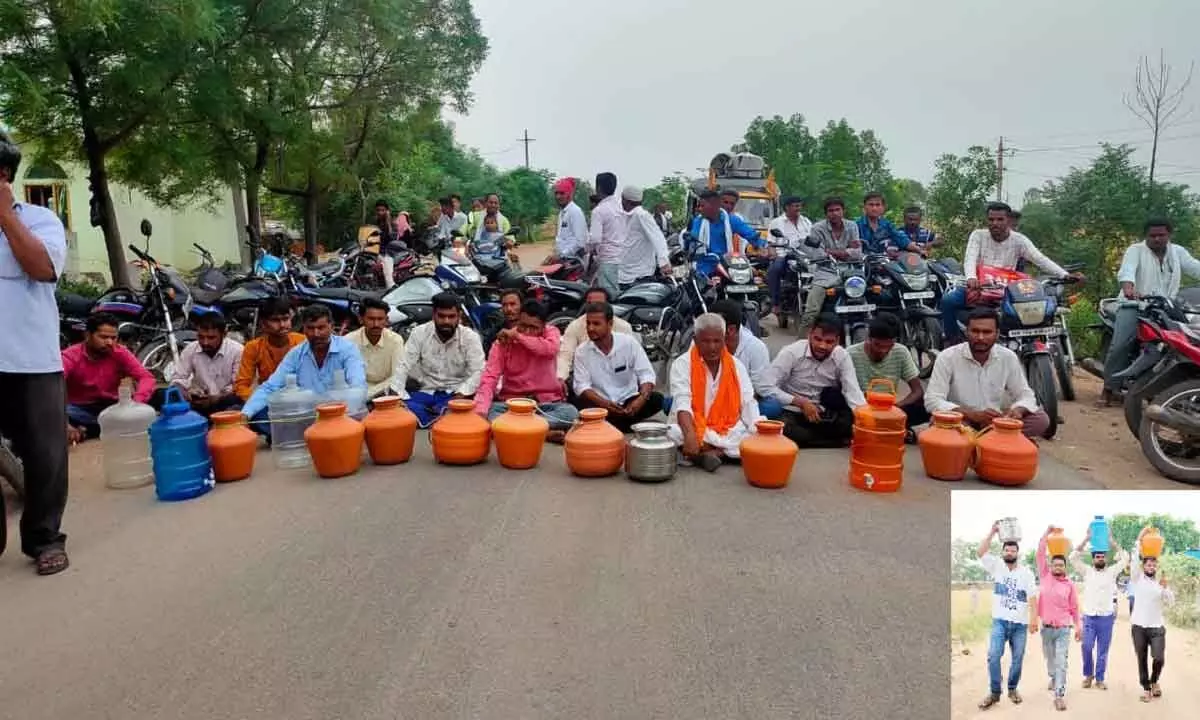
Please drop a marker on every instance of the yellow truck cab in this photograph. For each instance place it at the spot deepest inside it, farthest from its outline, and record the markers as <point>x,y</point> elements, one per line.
<point>747,174</point>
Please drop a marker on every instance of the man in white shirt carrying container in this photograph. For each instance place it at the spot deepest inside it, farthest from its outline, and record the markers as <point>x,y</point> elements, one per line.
<point>1013,610</point>
<point>1149,593</point>
<point>1099,607</point>
<point>612,371</point>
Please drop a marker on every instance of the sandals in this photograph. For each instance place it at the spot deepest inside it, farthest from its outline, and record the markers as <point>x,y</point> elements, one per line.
<point>1060,704</point>
<point>1145,697</point>
<point>1155,690</point>
<point>1015,697</point>
<point>989,701</point>
<point>52,561</point>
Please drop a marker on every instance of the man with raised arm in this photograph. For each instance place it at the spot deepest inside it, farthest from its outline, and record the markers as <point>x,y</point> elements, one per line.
<point>1058,610</point>
<point>1014,616</point>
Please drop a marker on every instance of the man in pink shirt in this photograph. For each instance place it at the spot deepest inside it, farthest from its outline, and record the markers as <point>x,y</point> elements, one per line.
<point>522,364</point>
<point>94,369</point>
<point>1058,611</point>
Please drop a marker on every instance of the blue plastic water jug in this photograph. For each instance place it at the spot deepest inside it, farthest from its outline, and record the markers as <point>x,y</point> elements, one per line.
<point>179,450</point>
<point>1099,540</point>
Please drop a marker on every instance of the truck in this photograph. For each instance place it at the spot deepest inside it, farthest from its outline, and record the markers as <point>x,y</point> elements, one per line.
<point>747,174</point>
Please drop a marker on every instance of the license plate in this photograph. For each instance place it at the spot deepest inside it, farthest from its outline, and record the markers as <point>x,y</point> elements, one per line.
<point>844,309</point>
<point>1050,331</point>
<point>923,295</point>
<point>742,289</point>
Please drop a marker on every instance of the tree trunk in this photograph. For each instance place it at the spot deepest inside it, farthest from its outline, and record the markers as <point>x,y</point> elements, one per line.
<point>98,178</point>
<point>245,256</point>
<point>1153,162</point>
<point>311,196</point>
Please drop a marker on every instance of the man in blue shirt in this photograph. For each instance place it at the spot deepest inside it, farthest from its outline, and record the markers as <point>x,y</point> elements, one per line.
<point>923,237</point>
<point>312,362</point>
<point>712,229</point>
<point>877,232</point>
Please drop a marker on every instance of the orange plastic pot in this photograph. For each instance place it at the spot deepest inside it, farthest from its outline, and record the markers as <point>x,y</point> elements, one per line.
<point>593,448</point>
<point>1003,455</point>
<point>232,446</point>
<point>391,431</point>
<point>460,437</point>
<point>334,441</point>
<point>520,435</point>
<point>1057,544</point>
<point>947,447</point>
<point>1152,544</point>
<point>767,456</point>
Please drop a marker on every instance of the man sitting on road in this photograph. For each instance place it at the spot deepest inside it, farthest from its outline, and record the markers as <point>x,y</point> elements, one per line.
<point>1058,610</point>
<point>521,365</point>
<point>795,229</point>
<point>613,372</point>
<point>576,333</point>
<point>1099,606</point>
<point>753,354</point>
<point>880,356</point>
<point>877,232</point>
<point>1149,594</point>
<point>714,229</point>
<point>207,367</point>
<point>93,370</point>
<point>815,381</point>
<point>443,360</point>
<point>313,362</point>
<point>999,247</point>
<point>262,355</point>
<point>835,238</point>
<point>645,244</point>
<point>1153,267</point>
<point>976,379</point>
<point>714,407</point>
<point>381,348</point>
<point>1013,613</point>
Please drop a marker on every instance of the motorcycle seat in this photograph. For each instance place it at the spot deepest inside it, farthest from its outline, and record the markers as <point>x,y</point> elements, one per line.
<point>579,287</point>
<point>343,294</point>
<point>206,297</point>
<point>1108,307</point>
<point>324,268</point>
<point>74,305</point>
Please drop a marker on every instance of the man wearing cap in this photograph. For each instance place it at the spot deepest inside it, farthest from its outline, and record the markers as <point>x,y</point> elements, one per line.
<point>1099,611</point>
<point>606,239</point>
<point>795,229</point>
<point>646,246</point>
<point>572,225</point>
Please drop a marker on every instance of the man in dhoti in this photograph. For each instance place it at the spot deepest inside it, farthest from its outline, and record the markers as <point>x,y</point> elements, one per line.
<point>713,406</point>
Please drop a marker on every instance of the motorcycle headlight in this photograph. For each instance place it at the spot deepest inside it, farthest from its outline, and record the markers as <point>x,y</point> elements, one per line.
<point>855,287</point>
<point>916,282</point>
<point>470,273</point>
<point>741,276</point>
<point>1030,313</point>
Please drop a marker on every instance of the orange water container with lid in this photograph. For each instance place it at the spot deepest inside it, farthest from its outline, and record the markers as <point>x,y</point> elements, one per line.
<point>1152,544</point>
<point>877,451</point>
<point>1057,544</point>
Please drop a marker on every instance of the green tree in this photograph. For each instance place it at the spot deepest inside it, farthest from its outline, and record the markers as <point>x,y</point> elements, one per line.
<point>672,190</point>
<point>1178,534</point>
<point>959,193</point>
<point>526,197</point>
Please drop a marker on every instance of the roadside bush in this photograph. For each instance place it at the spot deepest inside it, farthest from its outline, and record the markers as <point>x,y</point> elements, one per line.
<point>80,286</point>
<point>1183,576</point>
<point>1086,341</point>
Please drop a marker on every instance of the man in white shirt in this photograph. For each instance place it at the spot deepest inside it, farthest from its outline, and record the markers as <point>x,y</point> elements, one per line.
<point>382,349</point>
<point>998,246</point>
<point>606,239</point>
<point>33,410</point>
<point>1099,607</point>
<point>572,237</point>
<point>613,372</point>
<point>208,367</point>
<point>442,359</point>
<point>576,333</point>
<point>645,244</point>
<point>977,379</point>
<point>1149,593</point>
<point>753,353</point>
<point>795,229</point>
<point>1153,267</point>
<point>449,219</point>
<point>1013,610</point>
<point>818,387</point>
<point>713,406</point>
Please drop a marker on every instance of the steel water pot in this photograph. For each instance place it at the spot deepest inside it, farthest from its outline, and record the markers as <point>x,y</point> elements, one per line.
<point>651,455</point>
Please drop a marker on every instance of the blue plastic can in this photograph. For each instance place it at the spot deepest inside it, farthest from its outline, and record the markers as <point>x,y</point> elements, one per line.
<point>179,451</point>
<point>1099,527</point>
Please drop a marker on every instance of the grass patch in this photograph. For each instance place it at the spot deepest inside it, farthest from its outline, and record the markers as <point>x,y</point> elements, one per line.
<point>967,624</point>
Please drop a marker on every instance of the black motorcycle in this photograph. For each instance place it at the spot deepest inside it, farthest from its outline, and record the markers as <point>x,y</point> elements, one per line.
<point>903,285</point>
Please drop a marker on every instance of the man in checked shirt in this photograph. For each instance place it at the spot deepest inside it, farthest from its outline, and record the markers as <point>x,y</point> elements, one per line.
<point>998,246</point>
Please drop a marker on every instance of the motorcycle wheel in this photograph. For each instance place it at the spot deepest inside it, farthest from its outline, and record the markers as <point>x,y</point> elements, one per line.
<point>1156,450</point>
<point>561,320</point>
<point>155,356</point>
<point>927,343</point>
<point>1066,381</point>
<point>1134,407</point>
<point>1040,372</point>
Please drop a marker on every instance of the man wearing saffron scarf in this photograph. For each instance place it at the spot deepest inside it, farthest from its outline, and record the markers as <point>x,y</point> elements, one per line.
<point>713,406</point>
<point>1058,609</point>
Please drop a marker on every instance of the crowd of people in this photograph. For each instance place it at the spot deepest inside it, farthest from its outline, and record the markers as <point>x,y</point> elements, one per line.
<point>1060,609</point>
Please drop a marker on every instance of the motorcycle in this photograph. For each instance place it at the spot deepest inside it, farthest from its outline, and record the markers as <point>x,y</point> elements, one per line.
<point>455,273</point>
<point>793,289</point>
<point>901,284</point>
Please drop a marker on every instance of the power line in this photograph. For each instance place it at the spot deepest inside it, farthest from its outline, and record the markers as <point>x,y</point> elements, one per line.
<point>1092,146</point>
<point>1100,133</point>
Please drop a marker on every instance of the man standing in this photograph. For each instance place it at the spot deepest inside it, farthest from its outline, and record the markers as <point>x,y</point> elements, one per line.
<point>208,367</point>
<point>1058,610</point>
<point>1013,616</point>
<point>835,238</point>
<point>571,239</point>
<point>815,381</point>
<point>33,412</point>
<point>613,372</point>
<point>442,359</point>
<point>713,406</point>
<point>645,244</point>
<point>1149,593</point>
<point>263,354</point>
<point>880,356</point>
<point>984,381</point>
<point>795,229</point>
<point>1099,606</point>
<point>877,232</point>
<point>576,333</point>
<point>662,218</point>
<point>93,370</point>
<point>1153,267</point>
<point>714,229</point>
<point>607,237</point>
<point>382,349</point>
<point>753,354</point>
<point>919,238</point>
<point>1000,247</point>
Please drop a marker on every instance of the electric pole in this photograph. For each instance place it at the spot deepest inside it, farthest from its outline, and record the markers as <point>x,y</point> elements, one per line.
<point>526,140</point>
<point>1000,170</point>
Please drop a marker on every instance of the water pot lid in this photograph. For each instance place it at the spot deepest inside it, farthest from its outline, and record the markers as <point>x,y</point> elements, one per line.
<point>649,428</point>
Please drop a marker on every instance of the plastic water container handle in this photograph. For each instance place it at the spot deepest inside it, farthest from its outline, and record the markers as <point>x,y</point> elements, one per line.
<point>172,395</point>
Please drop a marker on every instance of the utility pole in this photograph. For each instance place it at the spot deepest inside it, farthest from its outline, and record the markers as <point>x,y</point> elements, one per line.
<point>1000,170</point>
<point>526,140</point>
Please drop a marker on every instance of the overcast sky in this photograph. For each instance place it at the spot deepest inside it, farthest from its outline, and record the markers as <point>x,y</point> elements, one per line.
<point>972,512</point>
<point>648,87</point>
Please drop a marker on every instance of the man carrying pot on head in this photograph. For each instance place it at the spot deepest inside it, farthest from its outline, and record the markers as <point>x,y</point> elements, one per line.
<point>1099,606</point>
<point>1058,610</point>
<point>442,361</point>
<point>1150,593</point>
<point>1013,615</point>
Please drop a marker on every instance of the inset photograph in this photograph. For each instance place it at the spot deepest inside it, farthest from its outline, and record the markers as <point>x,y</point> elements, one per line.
<point>1080,601</point>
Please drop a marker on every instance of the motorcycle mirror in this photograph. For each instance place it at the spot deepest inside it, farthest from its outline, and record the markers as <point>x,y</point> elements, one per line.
<point>776,232</point>
<point>146,227</point>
